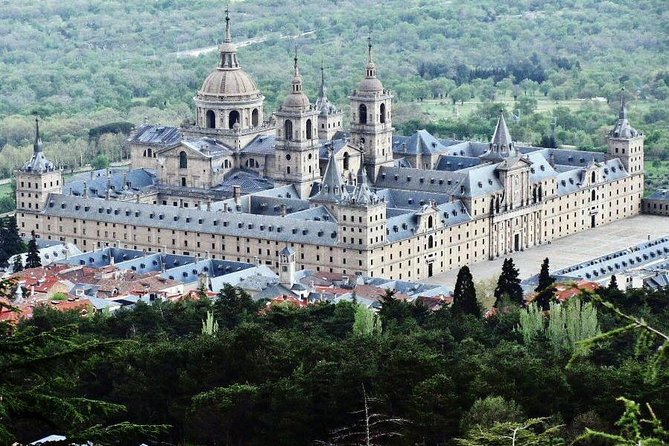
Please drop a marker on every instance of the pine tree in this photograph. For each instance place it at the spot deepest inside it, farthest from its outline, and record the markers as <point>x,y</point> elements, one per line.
<point>509,285</point>
<point>33,260</point>
<point>464,296</point>
<point>17,264</point>
<point>613,284</point>
<point>545,287</point>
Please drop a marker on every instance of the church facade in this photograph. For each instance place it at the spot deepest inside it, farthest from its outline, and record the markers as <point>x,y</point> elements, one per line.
<point>234,185</point>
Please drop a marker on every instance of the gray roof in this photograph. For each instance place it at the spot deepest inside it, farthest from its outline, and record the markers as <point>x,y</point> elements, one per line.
<point>619,261</point>
<point>332,188</point>
<point>419,179</point>
<point>453,163</point>
<point>283,229</point>
<point>408,199</point>
<point>479,180</point>
<point>121,182</point>
<point>261,145</point>
<point>660,194</point>
<point>191,272</point>
<point>404,226</point>
<point>249,181</point>
<point>209,147</point>
<point>421,142</point>
<point>156,135</point>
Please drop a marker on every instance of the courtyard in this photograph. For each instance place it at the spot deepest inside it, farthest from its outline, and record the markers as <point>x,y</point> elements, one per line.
<point>572,249</point>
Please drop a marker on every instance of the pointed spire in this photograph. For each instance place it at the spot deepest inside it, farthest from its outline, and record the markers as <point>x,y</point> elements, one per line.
<point>622,114</point>
<point>501,140</point>
<point>297,78</point>
<point>37,146</point>
<point>228,49</point>
<point>332,188</point>
<point>228,34</point>
<point>322,93</point>
<point>362,194</point>
<point>369,50</point>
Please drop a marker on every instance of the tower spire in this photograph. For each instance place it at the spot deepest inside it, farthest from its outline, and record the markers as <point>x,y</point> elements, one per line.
<point>297,70</point>
<point>228,49</point>
<point>622,114</point>
<point>228,33</point>
<point>369,50</point>
<point>323,89</point>
<point>37,146</point>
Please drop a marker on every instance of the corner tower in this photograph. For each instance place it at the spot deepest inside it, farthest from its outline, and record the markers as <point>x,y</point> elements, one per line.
<point>626,143</point>
<point>371,119</point>
<point>34,182</point>
<point>297,147</point>
<point>229,106</point>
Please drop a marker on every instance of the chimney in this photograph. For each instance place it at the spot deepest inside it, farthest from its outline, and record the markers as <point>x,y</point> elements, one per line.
<point>85,190</point>
<point>237,194</point>
<point>283,209</point>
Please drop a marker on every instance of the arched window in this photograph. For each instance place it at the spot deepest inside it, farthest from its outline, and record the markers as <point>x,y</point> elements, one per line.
<point>288,129</point>
<point>149,153</point>
<point>233,118</point>
<point>430,222</point>
<point>593,178</point>
<point>183,160</point>
<point>382,113</point>
<point>255,117</point>
<point>211,119</point>
<point>430,242</point>
<point>346,161</point>
<point>593,195</point>
<point>309,129</point>
<point>362,112</point>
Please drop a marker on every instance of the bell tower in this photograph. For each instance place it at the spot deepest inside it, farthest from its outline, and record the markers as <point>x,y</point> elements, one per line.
<point>297,146</point>
<point>371,123</point>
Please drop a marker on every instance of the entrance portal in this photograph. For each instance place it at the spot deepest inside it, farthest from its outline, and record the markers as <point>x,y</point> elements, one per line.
<point>516,242</point>
<point>429,269</point>
<point>592,220</point>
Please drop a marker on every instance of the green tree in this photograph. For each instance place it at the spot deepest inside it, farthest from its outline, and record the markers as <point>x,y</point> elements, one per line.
<point>366,322</point>
<point>10,240</point>
<point>234,305</point>
<point>571,322</point>
<point>33,259</point>
<point>464,295</point>
<point>17,264</point>
<point>532,432</point>
<point>508,285</point>
<point>613,284</point>
<point>485,413</point>
<point>100,162</point>
<point>545,287</point>
<point>531,322</point>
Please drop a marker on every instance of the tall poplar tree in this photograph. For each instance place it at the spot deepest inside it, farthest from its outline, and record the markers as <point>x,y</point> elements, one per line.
<point>33,260</point>
<point>545,287</point>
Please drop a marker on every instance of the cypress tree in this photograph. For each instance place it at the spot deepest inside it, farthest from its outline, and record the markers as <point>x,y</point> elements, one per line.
<point>33,260</point>
<point>11,240</point>
<point>613,284</point>
<point>509,284</point>
<point>464,295</point>
<point>545,287</point>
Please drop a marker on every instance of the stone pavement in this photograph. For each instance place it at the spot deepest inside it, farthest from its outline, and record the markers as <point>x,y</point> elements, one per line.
<point>572,249</point>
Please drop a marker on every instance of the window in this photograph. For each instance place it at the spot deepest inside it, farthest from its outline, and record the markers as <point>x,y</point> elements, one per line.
<point>346,161</point>
<point>288,129</point>
<point>382,113</point>
<point>362,112</point>
<point>309,129</point>
<point>233,118</point>
<point>255,117</point>
<point>183,160</point>
<point>183,181</point>
<point>211,119</point>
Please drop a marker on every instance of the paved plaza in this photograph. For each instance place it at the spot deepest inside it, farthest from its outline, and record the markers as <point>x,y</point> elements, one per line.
<point>571,249</point>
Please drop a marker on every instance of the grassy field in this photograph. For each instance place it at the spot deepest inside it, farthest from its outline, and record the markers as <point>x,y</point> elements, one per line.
<point>5,189</point>
<point>657,175</point>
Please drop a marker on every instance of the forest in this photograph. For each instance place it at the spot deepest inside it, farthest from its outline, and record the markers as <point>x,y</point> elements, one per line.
<point>590,371</point>
<point>558,66</point>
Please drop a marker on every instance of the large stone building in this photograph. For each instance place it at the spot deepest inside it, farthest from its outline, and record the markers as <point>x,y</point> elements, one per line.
<point>234,186</point>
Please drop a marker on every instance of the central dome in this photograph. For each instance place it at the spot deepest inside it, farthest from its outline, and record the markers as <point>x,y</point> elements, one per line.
<point>229,84</point>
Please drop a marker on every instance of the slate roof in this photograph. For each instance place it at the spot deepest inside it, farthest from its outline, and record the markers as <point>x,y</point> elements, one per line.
<point>122,182</point>
<point>453,163</point>
<point>660,194</point>
<point>249,181</point>
<point>619,261</point>
<point>156,135</point>
<point>419,179</point>
<point>261,145</point>
<point>284,229</point>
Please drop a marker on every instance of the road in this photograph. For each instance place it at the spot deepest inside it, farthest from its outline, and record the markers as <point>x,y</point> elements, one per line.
<point>210,49</point>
